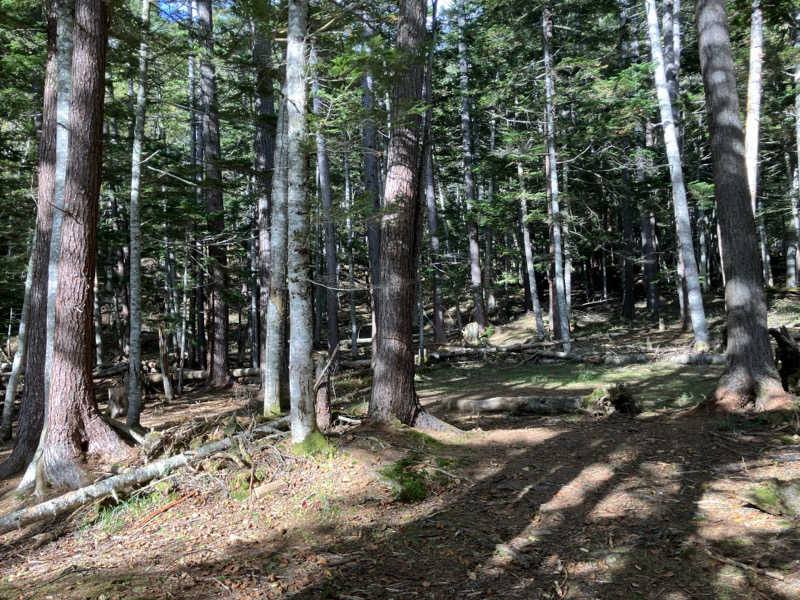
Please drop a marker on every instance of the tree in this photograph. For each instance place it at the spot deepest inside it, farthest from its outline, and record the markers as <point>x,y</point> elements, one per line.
<point>476,277</point>
<point>679,202</point>
<point>73,421</point>
<point>393,393</point>
<point>298,264</point>
<point>750,376</point>
<point>135,356</point>
<point>218,271</point>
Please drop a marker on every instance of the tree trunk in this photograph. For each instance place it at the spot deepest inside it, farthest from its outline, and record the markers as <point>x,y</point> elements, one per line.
<point>301,365</point>
<point>469,185</point>
<point>793,230</point>
<point>752,126</point>
<point>73,421</point>
<point>135,356</point>
<point>558,258</point>
<point>332,282</point>
<point>680,205</point>
<point>273,359</point>
<point>351,281</point>
<point>796,180</point>
<point>264,149</point>
<point>528,251</point>
<point>31,414</point>
<point>647,224</point>
<point>393,391</point>
<point>750,375</point>
<point>17,366</point>
<point>218,271</point>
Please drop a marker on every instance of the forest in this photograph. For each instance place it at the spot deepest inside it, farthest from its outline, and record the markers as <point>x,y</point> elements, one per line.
<point>399,299</point>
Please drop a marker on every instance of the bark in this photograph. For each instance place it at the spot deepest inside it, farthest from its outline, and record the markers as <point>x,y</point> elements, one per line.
<point>393,392</point>
<point>793,230</point>
<point>217,316</point>
<point>647,225</point>
<point>274,357</point>
<point>750,375</point>
<point>526,244</point>
<point>351,282</point>
<point>73,421</point>
<point>476,278</point>
<point>17,366</point>
<point>439,335</point>
<point>679,202</point>
<point>135,355</point>
<point>264,148</point>
<point>795,198</point>
<point>163,364</point>
<point>752,126</point>
<point>298,264</point>
<point>558,258</point>
<point>332,283</point>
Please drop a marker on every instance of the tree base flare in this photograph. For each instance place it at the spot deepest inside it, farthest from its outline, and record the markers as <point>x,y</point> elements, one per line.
<point>736,397</point>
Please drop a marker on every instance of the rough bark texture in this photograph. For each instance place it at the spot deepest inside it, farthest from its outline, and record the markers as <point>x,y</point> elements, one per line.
<point>31,414</point>
<point>218,272</point>
<point>298,262</point>
<point>393,391</point>
<point>750,376</point>
<point>526,244</point>
<point>74,422</point>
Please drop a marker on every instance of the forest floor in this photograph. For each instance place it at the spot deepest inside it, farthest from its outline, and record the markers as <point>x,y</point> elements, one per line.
<point>516,506</point>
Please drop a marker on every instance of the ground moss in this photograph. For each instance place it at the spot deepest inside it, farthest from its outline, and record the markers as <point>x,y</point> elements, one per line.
<point>315,444</point>
<point>406,479</point>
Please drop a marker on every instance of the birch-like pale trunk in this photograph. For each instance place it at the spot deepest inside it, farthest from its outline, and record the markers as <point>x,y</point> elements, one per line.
<point>679,202</point>
<point>64,49</point>
<point>351,279</point>
<point>558,257</point>
<point>793,243</point>
<point>22,341</point>
<point>752,127</point>
<point>298,264</point>
<point>273,358</point>
<point>329,230</point>
<point>796,179</point>
<point>135,294</point>
<point>476,277</point>
<point>526,245</point>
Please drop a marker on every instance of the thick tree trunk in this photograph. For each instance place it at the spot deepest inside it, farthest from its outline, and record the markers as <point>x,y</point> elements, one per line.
<point>750,375</point>
<point>31,413</point>
<point>135,356</point>
<point>558,257</point>
<point>73,421</point>
<point>301,365</point>
<point>331,280</point>
<point>218,305</point>
<point>476,277</point>
<point>680,205</point>
<point>274,356</point>
<point>393,391</point>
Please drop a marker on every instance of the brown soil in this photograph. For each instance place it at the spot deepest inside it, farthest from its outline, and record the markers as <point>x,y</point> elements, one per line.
<point>517,507</point>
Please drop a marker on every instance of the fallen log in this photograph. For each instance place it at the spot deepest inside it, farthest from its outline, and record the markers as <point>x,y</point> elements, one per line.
<point>71,500</point>
<point>537,405</point>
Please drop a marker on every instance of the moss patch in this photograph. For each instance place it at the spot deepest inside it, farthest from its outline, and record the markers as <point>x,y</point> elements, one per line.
<point>407,479</point>
<point>315,444</point>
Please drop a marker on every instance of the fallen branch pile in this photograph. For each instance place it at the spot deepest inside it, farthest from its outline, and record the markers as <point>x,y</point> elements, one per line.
<point>112,485</point>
